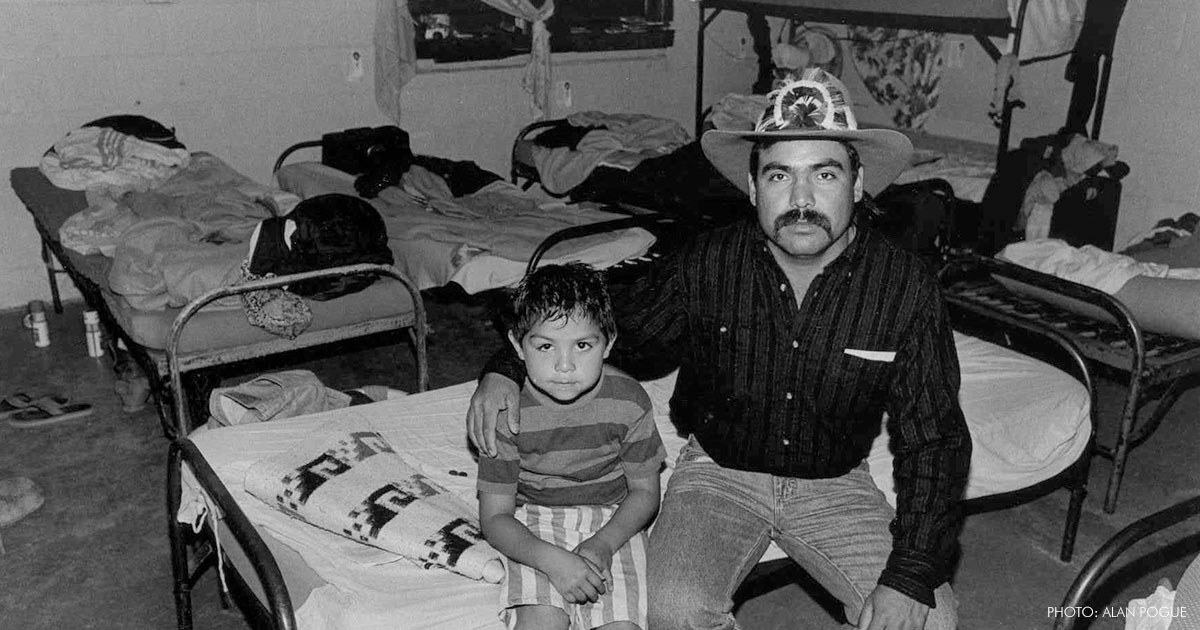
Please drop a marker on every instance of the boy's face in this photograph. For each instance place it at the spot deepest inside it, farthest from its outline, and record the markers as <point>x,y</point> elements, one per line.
<point>563,357</point>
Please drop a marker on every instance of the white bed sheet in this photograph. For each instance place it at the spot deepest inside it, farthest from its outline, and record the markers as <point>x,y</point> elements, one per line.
<point>969,175</point>
<point>434,262</point>
<point>1028,420</point>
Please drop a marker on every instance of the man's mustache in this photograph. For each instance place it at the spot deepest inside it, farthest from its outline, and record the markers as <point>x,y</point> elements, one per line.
<point>809,216</point>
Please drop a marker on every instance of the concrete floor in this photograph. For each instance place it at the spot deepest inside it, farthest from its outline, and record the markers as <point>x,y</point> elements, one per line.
<point>95,555</point>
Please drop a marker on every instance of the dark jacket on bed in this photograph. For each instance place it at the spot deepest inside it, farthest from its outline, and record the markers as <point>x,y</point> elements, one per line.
<point>800,393</point>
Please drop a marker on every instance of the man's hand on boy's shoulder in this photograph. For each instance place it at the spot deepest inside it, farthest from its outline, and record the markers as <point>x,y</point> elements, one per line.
<point>497,397</point>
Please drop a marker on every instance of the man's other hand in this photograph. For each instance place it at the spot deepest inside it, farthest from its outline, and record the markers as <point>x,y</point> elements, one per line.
<point>889,609</point>
<point>497,396</point>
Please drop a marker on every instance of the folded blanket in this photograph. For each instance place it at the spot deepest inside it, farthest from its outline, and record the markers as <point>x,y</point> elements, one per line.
<point>97,157</point>
<point>350,481</point>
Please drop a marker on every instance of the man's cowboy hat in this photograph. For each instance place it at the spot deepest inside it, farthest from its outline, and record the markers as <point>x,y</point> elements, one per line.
<point>813,107</point>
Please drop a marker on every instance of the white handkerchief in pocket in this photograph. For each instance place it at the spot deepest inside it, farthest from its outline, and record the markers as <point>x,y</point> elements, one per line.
<point>872,355</point>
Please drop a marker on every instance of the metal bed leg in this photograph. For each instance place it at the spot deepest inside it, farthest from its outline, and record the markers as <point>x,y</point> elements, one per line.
<point>704,22</point>
<point>179,552</point>
<point>52,273</point>
<point>418,342</point>
<point>1133,434</point>
<point>1120,452</point>
<point>1079,492</point>
<point>1166,401</point>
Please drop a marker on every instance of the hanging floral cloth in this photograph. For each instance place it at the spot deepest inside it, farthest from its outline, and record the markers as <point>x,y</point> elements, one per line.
<point>901,68</point>
<point>537,74</point>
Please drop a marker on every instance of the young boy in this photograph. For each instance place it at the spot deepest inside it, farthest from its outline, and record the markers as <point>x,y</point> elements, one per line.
<point>568,499</point>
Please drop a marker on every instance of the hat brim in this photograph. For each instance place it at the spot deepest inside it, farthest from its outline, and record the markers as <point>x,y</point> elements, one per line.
<point>884,153</point>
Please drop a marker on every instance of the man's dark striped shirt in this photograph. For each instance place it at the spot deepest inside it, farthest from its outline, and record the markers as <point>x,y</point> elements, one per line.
<point>800,392</point>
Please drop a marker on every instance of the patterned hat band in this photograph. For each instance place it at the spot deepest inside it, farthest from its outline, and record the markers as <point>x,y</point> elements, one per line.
<point>816,101</point>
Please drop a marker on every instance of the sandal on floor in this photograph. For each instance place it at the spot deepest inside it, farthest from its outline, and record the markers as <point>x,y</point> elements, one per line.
<point>47,410</point>
<point>21,401</point>
<point>19,496</point>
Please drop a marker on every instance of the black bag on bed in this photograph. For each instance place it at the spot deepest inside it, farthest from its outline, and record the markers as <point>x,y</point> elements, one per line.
<point>917,216</point>
<point>361,149</point>
<point>331,230</point>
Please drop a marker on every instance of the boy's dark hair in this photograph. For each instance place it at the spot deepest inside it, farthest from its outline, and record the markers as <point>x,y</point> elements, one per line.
<point>556,292</point>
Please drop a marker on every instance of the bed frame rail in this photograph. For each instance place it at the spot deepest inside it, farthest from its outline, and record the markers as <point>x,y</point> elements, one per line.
<point>179,362</point>
<point>1088,578</point>
<point>1075,477</point>
<point>518,169</point>
<point>186,567</point>
<point>642,218</point>
<point>1156,368</point>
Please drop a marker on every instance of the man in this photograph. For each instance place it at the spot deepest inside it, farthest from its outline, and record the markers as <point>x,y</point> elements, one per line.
<point>795,334</point>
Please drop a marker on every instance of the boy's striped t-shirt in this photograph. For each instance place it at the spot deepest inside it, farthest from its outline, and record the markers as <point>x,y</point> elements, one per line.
<point>579,453</point>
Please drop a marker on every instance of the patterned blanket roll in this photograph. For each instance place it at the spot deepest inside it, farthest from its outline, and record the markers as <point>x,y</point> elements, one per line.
<point>351,482</point>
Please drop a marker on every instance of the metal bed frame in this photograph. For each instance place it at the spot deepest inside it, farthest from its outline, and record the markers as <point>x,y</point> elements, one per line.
<point>1071,358</point>
<point>277,612</point>
<point>186,566</point>
<point>167,390</point>
<point>189,560</point>
<point>1088,579</point>
<point>178,362</point>
<point>1156,368</point>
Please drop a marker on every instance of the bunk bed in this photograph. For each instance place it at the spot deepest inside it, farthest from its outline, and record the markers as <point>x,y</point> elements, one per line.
<point>1031,424</point>
<point>982,19</point>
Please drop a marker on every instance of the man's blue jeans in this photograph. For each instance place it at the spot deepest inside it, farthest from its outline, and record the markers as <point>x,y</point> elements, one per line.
<point>715,524</point>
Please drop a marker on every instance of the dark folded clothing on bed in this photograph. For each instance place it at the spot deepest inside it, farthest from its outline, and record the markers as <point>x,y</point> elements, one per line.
<point>462,176</point>
<point>563,134</point>
<point>682,184</point>
<point>322,232</point>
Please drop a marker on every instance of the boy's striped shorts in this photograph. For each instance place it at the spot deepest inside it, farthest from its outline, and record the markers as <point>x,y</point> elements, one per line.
<point>566,527</point>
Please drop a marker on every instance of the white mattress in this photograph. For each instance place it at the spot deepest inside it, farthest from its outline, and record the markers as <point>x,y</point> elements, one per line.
<point>1028,421</point>
<point>969,175</point>
<point>433,262</point>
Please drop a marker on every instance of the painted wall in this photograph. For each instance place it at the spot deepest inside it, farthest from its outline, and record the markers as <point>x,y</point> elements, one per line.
<point>246,78</point>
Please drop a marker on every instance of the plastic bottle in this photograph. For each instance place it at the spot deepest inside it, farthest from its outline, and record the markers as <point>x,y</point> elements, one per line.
<point>91,327</point>
<point>36,320</point>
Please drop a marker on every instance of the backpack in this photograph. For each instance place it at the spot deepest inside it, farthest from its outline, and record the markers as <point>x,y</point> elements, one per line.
<point>917,216</point>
